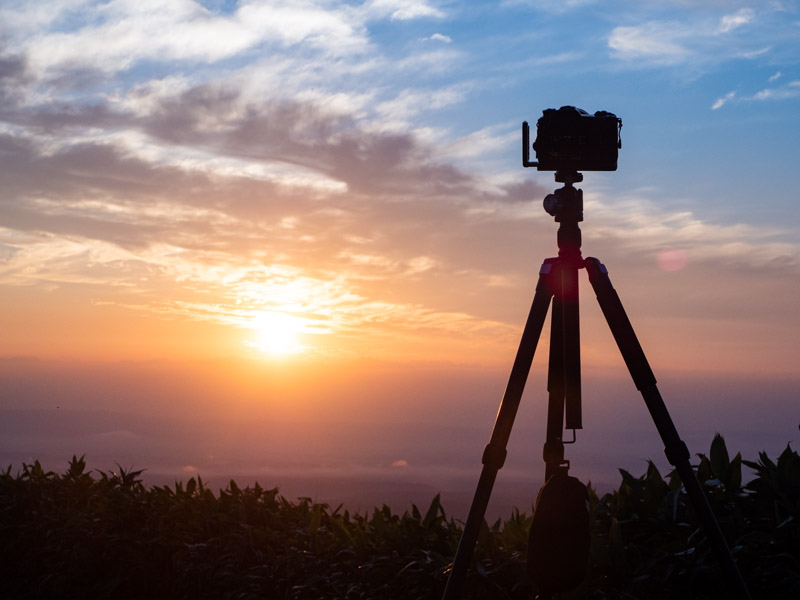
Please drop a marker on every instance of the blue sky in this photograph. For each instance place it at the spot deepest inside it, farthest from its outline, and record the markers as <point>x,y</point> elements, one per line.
<point>309,182</point>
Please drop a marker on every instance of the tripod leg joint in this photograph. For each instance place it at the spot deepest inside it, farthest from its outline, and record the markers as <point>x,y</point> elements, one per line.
<point>494,456</point>
<point>677,453</point>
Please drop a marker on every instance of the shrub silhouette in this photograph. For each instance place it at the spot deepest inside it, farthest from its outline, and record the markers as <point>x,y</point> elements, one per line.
<point>104,534</point>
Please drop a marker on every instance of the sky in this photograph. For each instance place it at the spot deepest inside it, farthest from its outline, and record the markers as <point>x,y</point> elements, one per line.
<point>311,218</point>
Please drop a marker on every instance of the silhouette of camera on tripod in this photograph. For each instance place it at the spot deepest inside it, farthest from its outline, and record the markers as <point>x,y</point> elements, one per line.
<point>569,139</point>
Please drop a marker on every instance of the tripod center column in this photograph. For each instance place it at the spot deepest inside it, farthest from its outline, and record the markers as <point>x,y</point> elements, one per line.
<point>566,206</point>
<point>569,243</point>
<point>569,253</point>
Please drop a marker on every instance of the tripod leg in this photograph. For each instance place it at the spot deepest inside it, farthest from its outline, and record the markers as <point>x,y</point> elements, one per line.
<point>553,453</point>
<point>675,449</point>
<point>494,454</point>
<point>564,373</point>
<point>572,347</point>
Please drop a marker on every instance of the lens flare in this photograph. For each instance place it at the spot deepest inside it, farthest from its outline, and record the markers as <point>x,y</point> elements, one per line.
<point>672,259</point>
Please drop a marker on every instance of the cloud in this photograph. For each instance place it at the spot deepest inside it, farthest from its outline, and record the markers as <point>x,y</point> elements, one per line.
<point>733,244</point>
<point>429,62</point>
<point>551,6</point>
<point>123,33</point>
<point>102,212</point>
<point>751,54</point>
<point>478,143</point>
<point>700,41</point>
<point>306,134</point>
<point>404,10</point>
<point>439,37</point>
<point>112,38</point>
<point>786,92</point>
<point>738,19</point>
<point>720,102</point>
<point>413,102</point>
<point>14,79</point>
<point>658,41</point>
<point>304,182</point>
<point>303,206</point>
<point>32,17</point>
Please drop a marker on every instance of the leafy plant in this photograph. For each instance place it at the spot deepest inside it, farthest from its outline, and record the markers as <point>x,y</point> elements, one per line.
<point>104,534</point>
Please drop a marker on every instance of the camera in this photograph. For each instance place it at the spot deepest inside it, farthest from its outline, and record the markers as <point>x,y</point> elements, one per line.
<point>570,139</point>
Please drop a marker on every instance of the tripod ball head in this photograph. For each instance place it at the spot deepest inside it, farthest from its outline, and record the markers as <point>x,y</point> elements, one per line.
<point>552,204</point>
<point>565,204</point>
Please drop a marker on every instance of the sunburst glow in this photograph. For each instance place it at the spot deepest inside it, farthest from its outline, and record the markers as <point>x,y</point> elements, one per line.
<point>278,333</point>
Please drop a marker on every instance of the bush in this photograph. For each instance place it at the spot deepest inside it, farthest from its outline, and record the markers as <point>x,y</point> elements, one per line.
<point>104,534</point>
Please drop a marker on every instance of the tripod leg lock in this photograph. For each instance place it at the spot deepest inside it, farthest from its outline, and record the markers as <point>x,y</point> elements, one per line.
<point>494,456</point>
<point>677,453</point>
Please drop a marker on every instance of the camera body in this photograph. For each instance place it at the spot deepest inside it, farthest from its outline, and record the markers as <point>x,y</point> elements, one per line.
<point>570,139</point>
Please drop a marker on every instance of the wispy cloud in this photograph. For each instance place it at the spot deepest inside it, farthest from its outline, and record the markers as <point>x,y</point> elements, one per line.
<point>440,37</point>
<point>702,40</point>
<point>551,6</point>
<point>237,186</point>
<point>649,229</point>
<point>131,32</point>
<point>659,41</point>
<point>271,244</point>
<point>738,19</point>
<point>415,101</point>
<point>121,34</point>
<point>785,92</point>
<point>720,102</point>
<point>404,10</point>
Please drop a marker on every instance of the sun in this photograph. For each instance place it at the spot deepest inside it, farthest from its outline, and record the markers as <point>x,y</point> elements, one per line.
<point>277,332</point>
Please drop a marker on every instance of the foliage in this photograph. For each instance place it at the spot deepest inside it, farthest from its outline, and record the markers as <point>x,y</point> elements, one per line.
<point>104,534</point>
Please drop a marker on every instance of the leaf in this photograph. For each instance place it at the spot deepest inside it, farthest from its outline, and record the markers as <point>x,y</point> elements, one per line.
<point>616,546</point>
<point>789,471</point>
<point>628,478</point>
<point>652,474</point>
<point>433,512</point>
<point>704,470</point>
<point>785,522</point>
<point>415,512</point>
<point>733,478</point>
<point>316,519</point>
<point>719,457</point>
<point>766,463</point>
<point>76,467</point>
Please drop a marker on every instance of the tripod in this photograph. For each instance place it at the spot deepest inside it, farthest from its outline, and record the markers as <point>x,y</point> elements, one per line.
<point>558,281</point>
